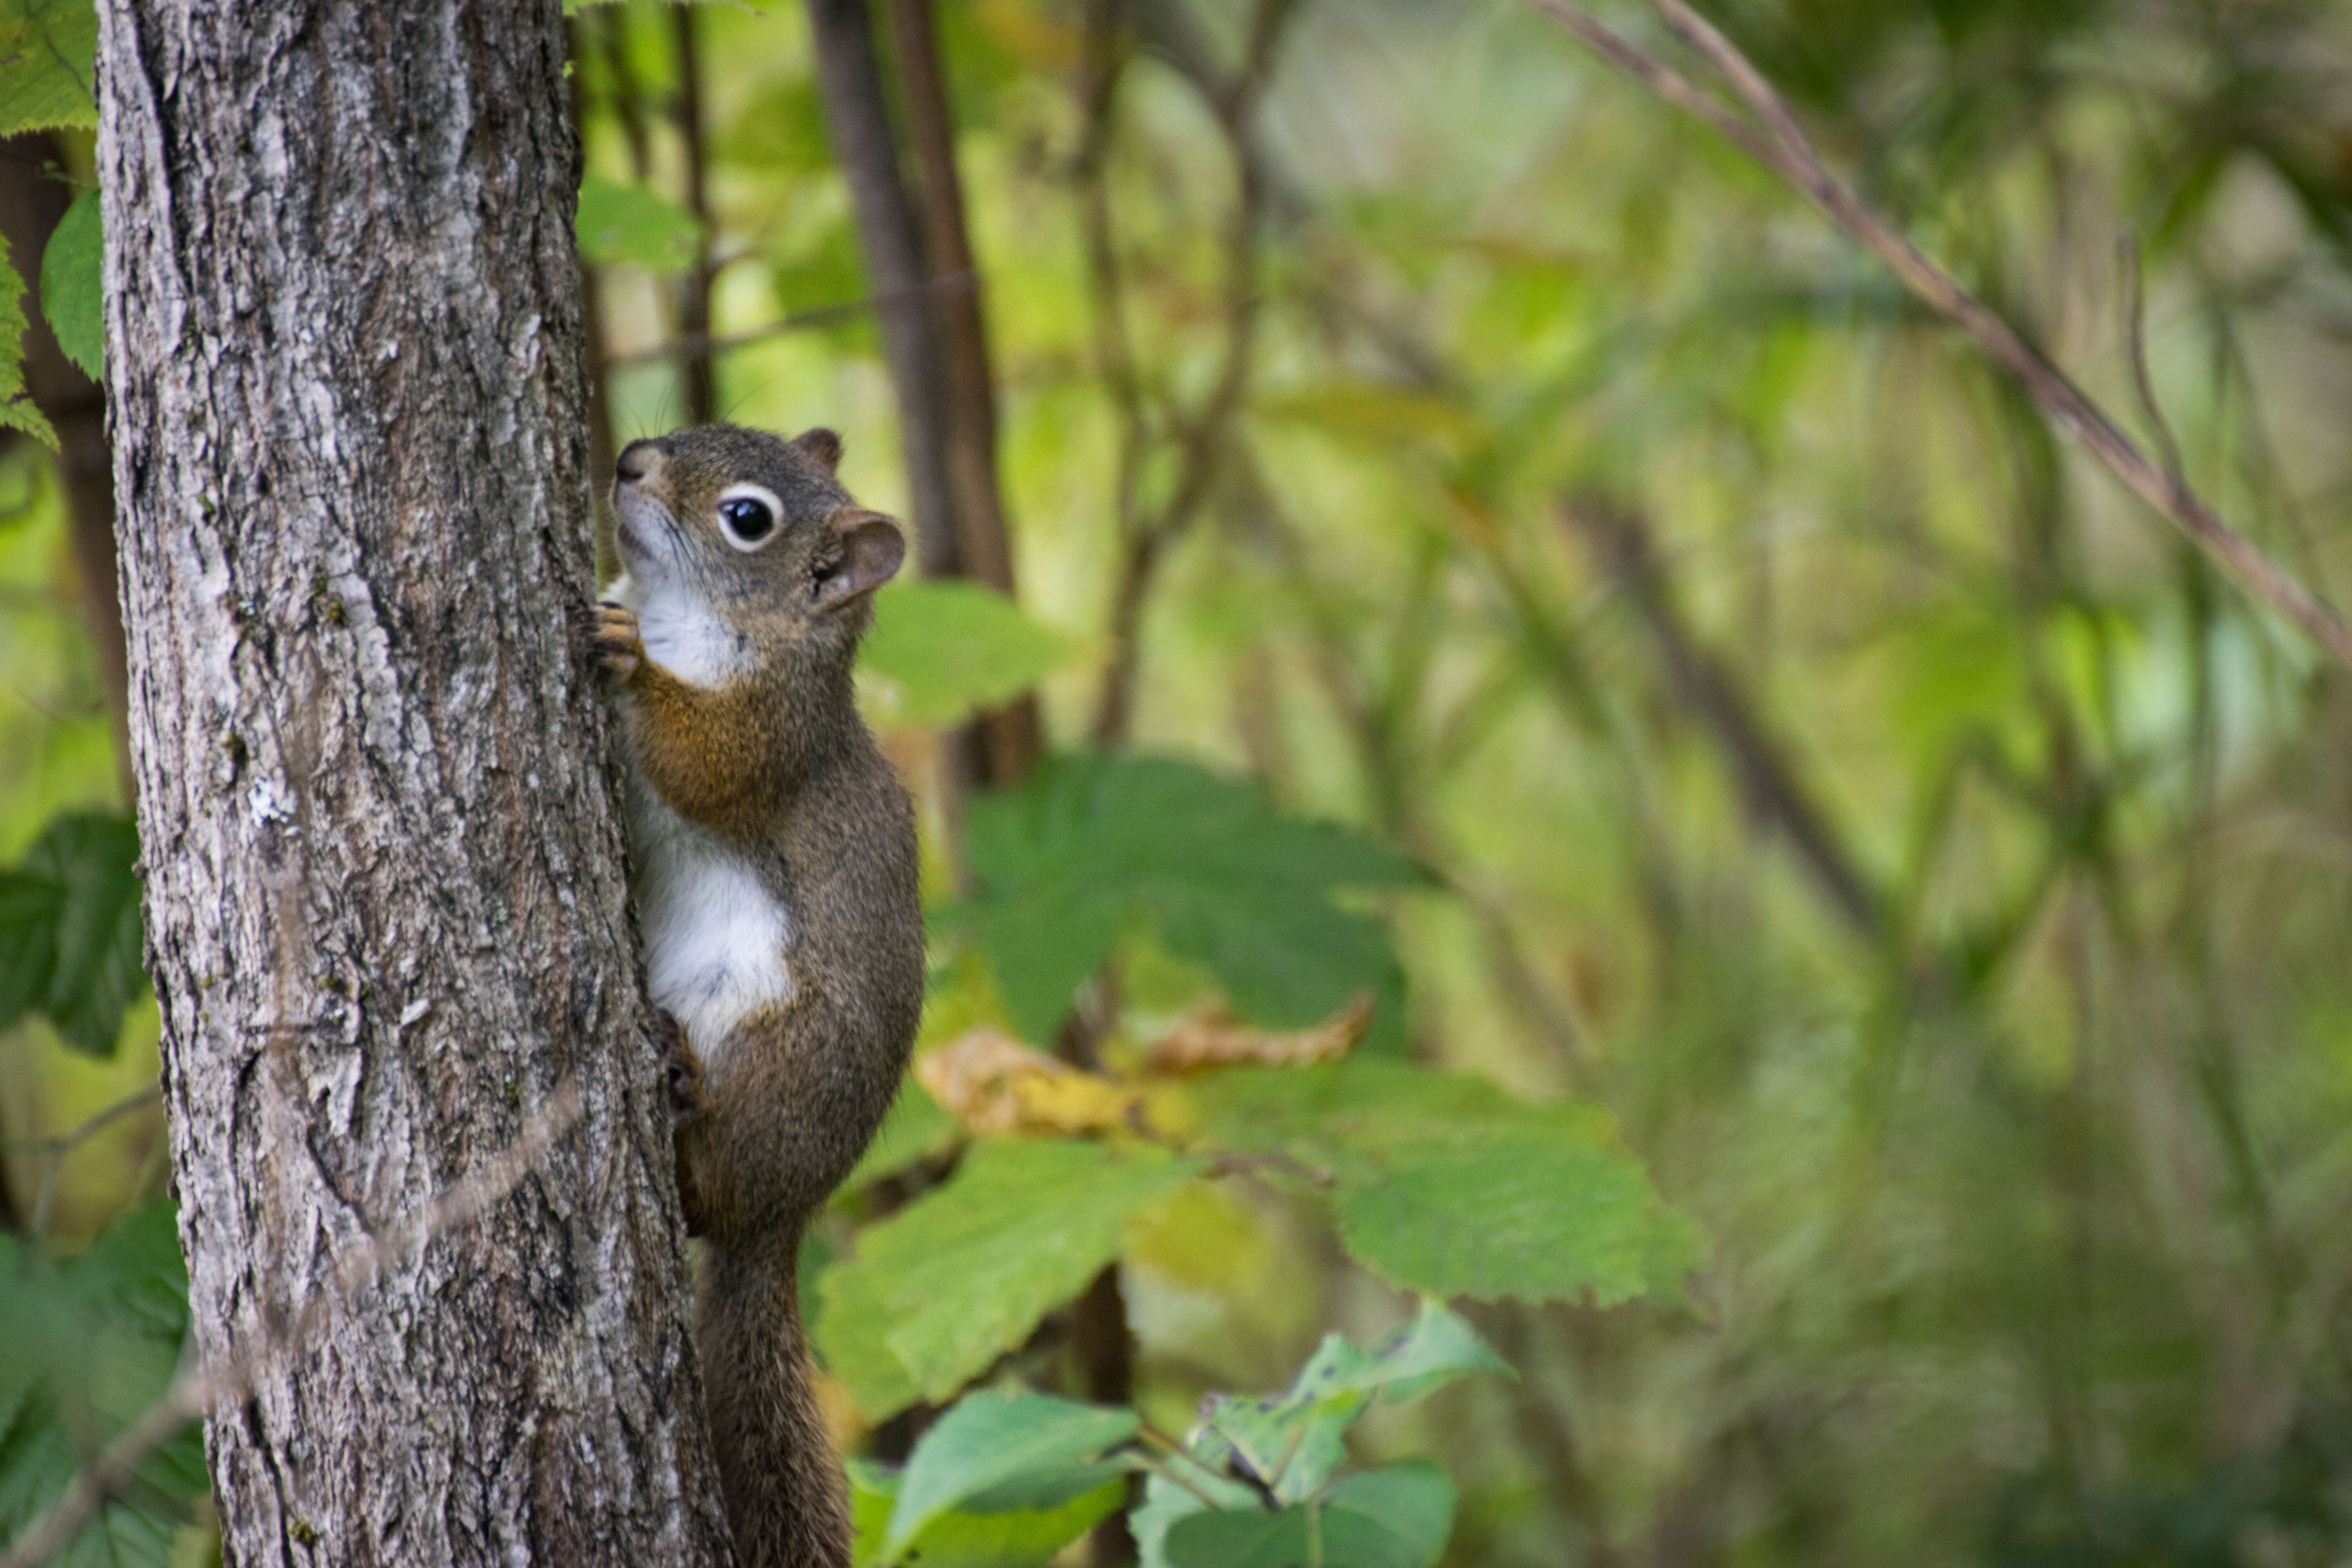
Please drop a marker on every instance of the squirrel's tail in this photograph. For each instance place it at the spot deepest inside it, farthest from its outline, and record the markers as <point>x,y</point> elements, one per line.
<point>786,1502</point>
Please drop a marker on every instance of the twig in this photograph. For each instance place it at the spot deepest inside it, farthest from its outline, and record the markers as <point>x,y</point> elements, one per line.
<point>694,289</point>
<point>198,1391</point>
<point>1202,437</point>
<point>1258,1164</point>
<point>1774,794</point>
<point>686,345</point>
<point>2136,339</point>
<point>60,1147</point>
<point>1780,145</point>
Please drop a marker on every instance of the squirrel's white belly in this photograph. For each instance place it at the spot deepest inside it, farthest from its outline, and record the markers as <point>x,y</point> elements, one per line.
<point>714,934</point>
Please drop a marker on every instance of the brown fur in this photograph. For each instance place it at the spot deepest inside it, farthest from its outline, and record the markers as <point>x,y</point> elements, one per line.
<point>779,764</point>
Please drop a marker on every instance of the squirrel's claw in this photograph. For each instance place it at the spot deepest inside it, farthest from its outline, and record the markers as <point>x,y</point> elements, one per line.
<point>681,1069</point>
<point>619,648</point>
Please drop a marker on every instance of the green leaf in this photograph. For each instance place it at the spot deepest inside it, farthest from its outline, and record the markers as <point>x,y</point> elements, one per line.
<point>1008,1538</point>
<point>1525,1211</point>
<point>49,50</point>
<point>618,223</point>
<point>1165,1504</point>
<point>990,1441</point>
<point>1295,1442</point>
<point>16,408</point>
<point>1391,1518</point>
<point>69,930</point>
<point>943,647</point>
<point>1094,847</point>
<point>93,1342</point>
<point>916,1129</point>
<point>939,1290</point>
<point>28,941</point>
<point>73,286</point>
<point>1445,1184</point>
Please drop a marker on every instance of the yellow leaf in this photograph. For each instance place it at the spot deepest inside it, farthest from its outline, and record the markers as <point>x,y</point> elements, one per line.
<point>992,1083</point>
<point>1211,1038</point>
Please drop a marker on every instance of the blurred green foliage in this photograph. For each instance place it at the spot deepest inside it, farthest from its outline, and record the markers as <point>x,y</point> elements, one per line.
<point>2002,1049</point>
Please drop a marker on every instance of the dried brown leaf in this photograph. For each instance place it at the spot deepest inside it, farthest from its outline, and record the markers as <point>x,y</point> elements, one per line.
<point>1213,1038</point>
<point>994,1084</point>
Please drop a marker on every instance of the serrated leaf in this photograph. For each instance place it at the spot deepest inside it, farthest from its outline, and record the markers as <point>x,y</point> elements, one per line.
<point>619,223</point>
<point>1445,1184</point>
<point>49,50</point>
<point>95,935</point>
<point>1294,1441</point>
<point>1096,846</point>
<point>1391,1518</point>
<point>939,1290</point>
<point>991,1441</point>
<point>943,647</point>
<point>1525,1212</point>
<point>73,285</point>
<point>16,409</point>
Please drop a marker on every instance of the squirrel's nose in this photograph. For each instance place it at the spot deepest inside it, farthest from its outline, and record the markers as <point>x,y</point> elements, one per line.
<point>639,460</point>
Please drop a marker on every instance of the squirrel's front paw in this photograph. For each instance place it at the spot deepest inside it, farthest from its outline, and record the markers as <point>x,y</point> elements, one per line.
<point>619,648</point>
<point>681,1070</point>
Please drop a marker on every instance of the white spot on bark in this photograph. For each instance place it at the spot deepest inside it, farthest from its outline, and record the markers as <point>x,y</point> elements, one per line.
<point>268,803</point>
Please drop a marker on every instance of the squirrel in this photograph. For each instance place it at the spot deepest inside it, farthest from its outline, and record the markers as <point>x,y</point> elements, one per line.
<point>775,878</point>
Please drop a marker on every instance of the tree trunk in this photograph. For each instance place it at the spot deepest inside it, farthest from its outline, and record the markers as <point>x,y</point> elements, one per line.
<point>387,915</point>
<point>858,120</point>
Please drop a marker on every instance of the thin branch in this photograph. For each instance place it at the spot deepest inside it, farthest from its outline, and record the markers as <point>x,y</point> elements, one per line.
<point>693,287</point>
<point>1101,65</point>
<point>1203,437</point>
<point>2136,339</point>
<point>793,321</point>
<point>628,94</point>
<point>60,1147</point>
<point>198,1391</point>
<point>1780,145</point>
<point>1768,783</point>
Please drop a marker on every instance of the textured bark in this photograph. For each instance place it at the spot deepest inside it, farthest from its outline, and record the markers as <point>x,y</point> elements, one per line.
<point>386,906</point>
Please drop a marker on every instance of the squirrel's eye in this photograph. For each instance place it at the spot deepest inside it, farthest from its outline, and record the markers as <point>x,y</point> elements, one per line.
<point>747,516</point>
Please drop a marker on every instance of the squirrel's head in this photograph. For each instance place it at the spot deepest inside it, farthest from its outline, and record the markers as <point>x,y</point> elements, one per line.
<point>754,526</point>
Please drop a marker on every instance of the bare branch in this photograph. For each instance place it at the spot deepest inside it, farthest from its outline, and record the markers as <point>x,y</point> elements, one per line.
<point>793,321</point>
<point>1202,436</point>
<point>200,1390</point>
<point>60,1147</point>
<point>694,288</point>
<point>2135,338</point>
<point>1781,146</point>
<point>857,119</point>
<point>1769,785</point>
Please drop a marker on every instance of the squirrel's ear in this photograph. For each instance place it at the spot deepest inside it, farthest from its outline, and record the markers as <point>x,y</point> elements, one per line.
<point>872,552</point>
<point>821,443</point>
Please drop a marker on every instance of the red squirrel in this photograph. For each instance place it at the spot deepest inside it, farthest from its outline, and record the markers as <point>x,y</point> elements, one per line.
<point>773,866</point>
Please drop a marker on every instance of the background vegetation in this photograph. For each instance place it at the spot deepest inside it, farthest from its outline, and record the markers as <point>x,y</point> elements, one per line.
<point>1770,760</point>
